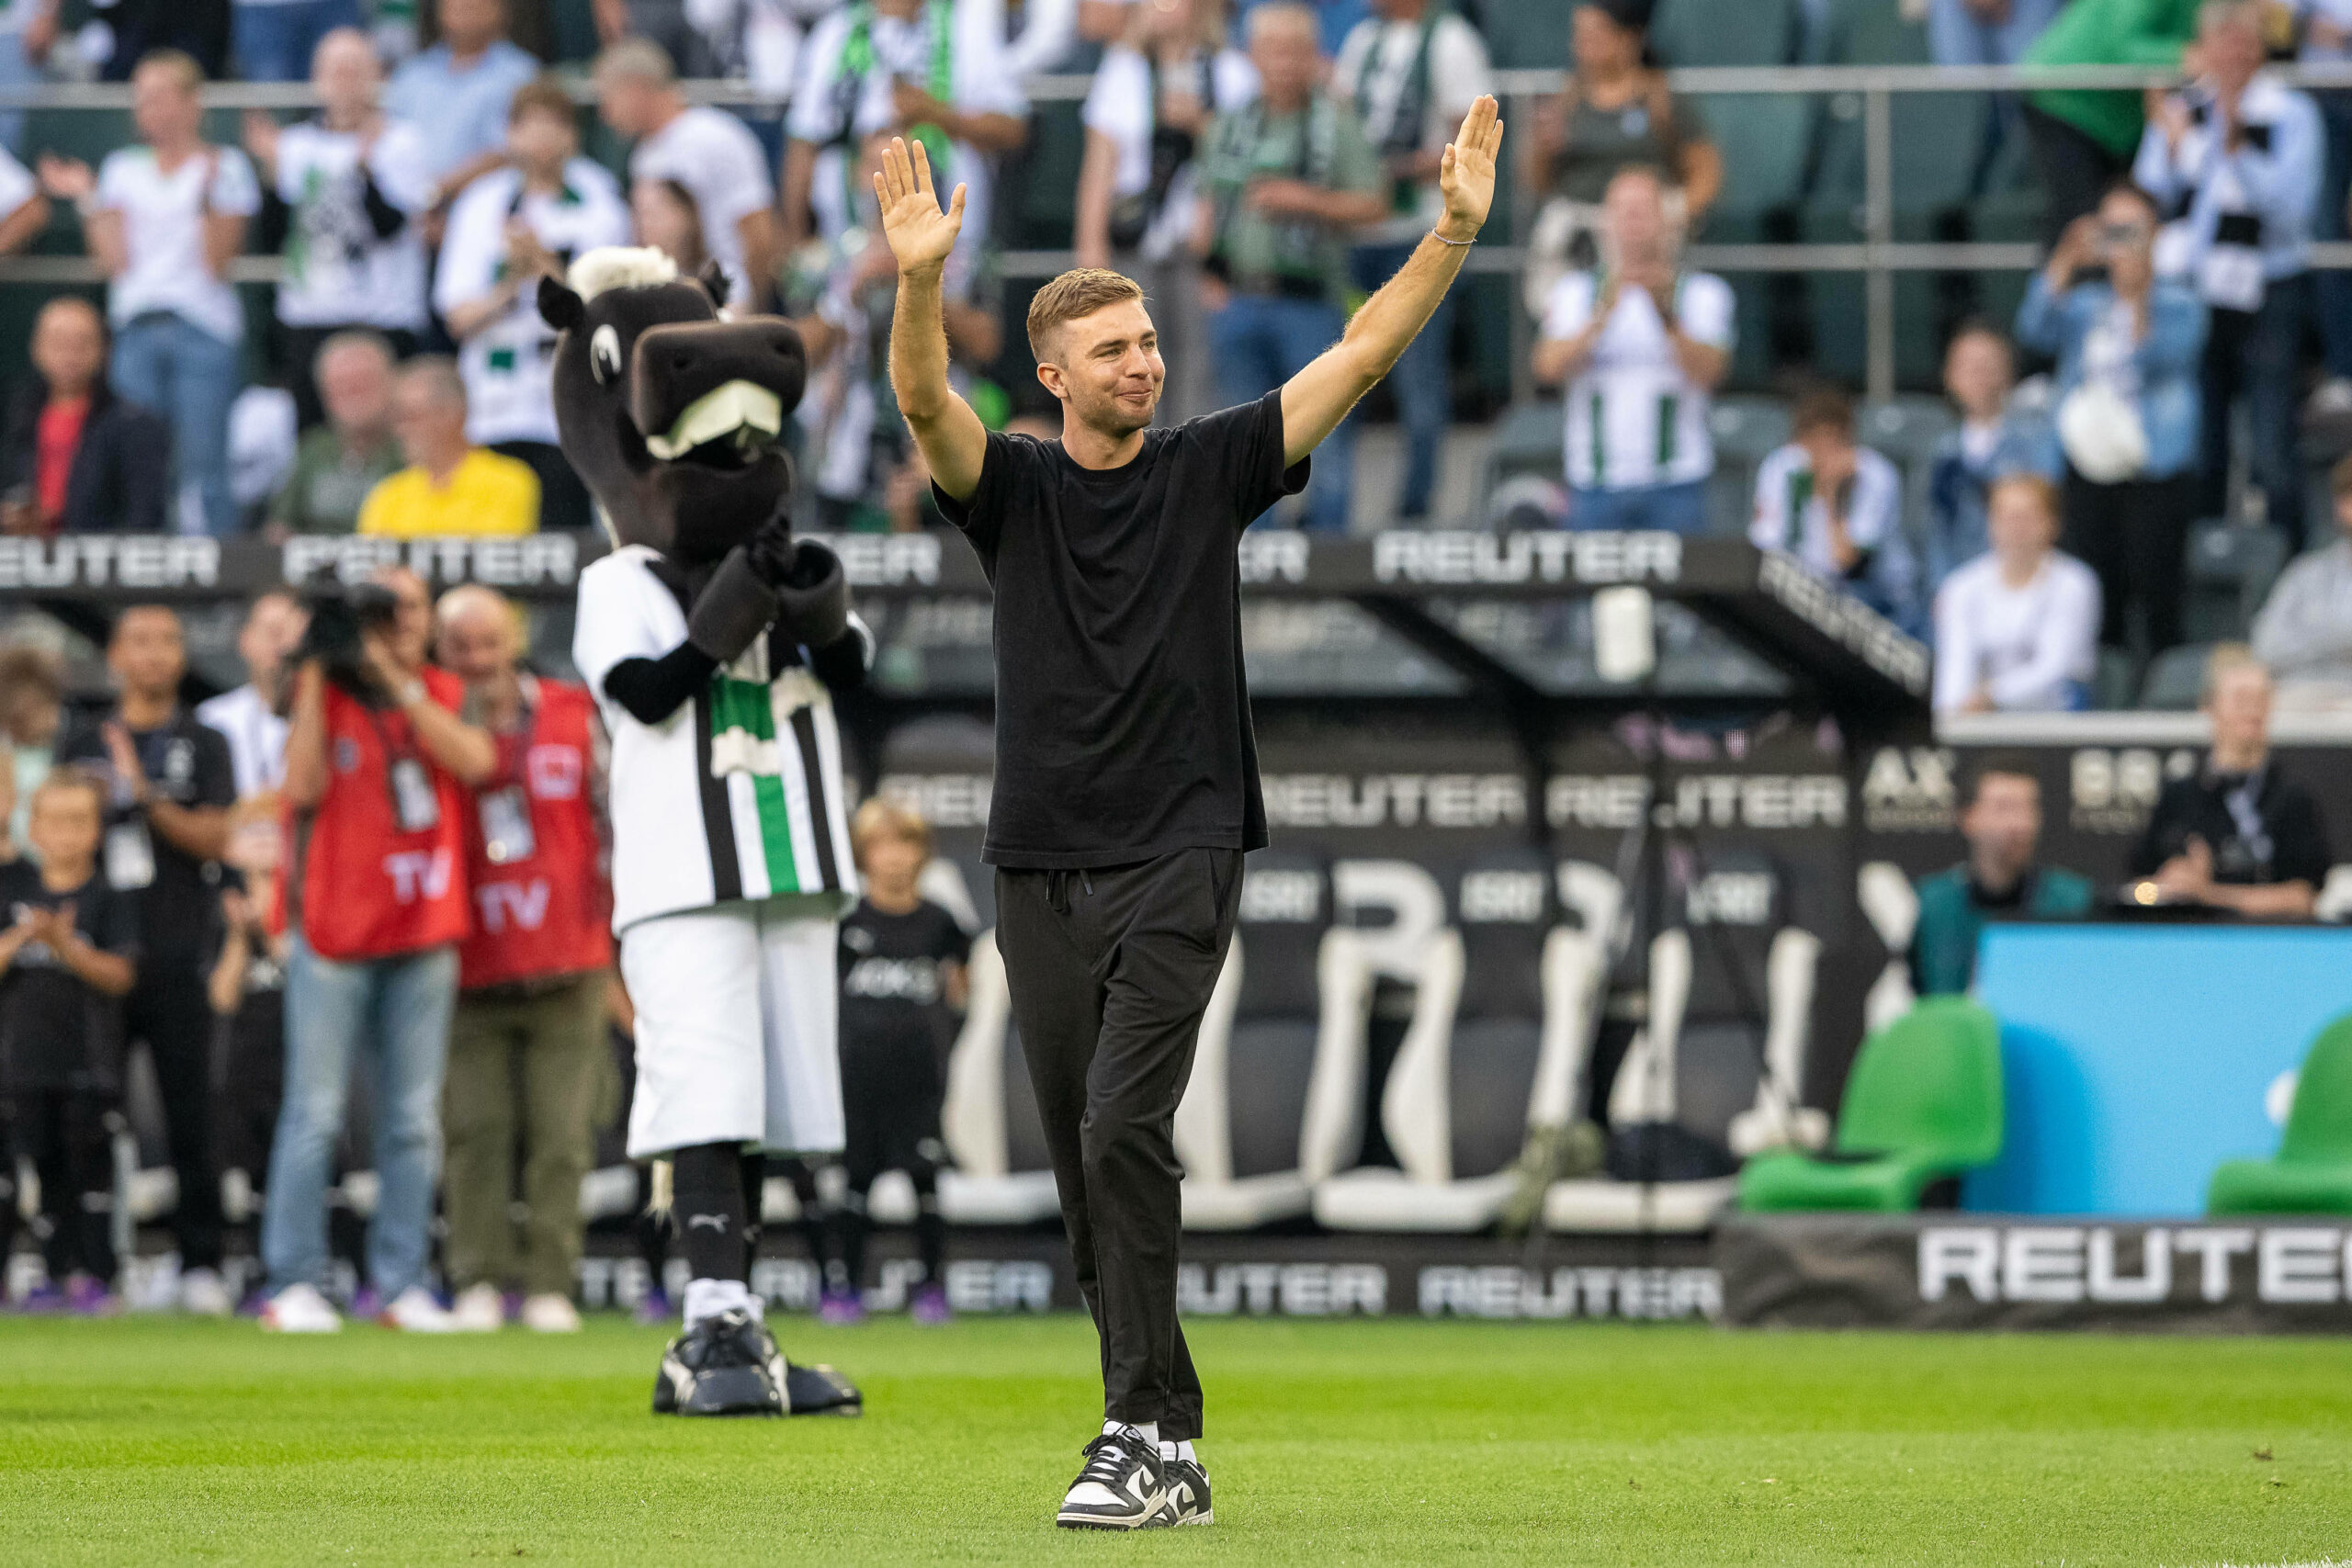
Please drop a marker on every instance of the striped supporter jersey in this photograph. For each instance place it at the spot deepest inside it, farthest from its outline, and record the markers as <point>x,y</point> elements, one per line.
<point>736,796</point>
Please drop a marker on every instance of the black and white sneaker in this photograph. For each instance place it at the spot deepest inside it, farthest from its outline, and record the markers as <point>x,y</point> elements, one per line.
<point>725,1365</point>
<point>1188,1495</point>
<point>1121,1488</point>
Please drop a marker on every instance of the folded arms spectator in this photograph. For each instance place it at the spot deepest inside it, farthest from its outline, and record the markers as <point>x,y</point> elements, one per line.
<point>75,458</point>
<point>451,487</point>
<point>2235,834</point>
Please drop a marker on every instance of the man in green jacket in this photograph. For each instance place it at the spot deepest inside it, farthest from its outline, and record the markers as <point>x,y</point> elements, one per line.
<point>2083,140</point>
<point>2002,823</point>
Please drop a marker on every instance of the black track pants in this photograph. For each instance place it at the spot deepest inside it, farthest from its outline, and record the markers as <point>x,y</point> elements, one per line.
<point>1110,972</point>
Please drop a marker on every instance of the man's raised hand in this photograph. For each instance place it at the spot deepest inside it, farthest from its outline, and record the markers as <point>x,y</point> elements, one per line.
<point>921,235</point>
<point>1467,173</point>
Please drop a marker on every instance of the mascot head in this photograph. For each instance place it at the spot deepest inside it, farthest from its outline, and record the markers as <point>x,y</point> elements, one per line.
<point>673,417</point>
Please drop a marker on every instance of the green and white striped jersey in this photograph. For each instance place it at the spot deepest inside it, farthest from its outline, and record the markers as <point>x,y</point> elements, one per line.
<point>1633,418</point>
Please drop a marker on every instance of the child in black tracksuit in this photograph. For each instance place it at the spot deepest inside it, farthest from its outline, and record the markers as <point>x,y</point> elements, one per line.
<point>902,965</point>
<point>69,948</point>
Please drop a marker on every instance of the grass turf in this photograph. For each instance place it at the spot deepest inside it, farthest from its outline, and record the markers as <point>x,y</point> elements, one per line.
<point>144,1441</point>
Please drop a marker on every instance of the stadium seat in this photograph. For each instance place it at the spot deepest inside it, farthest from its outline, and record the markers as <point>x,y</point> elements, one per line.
<point>1506,1004</point>
<point>1923,1101</point>
<point>2312,1172</point>
<point>1276,1097</point>
<point>1003,1175</point>
<point>1527,35</point>
<point>1708,32</point>
<point>2176,679</point>
<point>1744,431</point>
<point>1529,438</point>
<point>2231,567</point>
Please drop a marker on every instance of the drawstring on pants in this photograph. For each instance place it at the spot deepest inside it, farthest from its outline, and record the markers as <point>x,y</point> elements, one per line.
<point>1057,888</point>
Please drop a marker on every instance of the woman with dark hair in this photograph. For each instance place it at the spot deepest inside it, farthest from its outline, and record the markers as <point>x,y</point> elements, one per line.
<point>1614,110</point>
<point>668,218</point>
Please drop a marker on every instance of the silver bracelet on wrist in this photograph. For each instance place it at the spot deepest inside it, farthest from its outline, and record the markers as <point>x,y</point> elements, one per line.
<point>1443,241</point>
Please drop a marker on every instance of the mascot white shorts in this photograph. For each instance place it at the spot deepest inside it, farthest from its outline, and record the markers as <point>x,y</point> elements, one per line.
<point>735,1040</point>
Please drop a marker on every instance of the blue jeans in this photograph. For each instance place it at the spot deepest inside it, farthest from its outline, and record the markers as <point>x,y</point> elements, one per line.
<point>2328,224</point>
<point>399,1009</point>
<point>165,363</point>
<point>2258,356</point>
<point>274,43</point>
<point>1422,382</point>
<point>1259,341</point>
<point>1676,509</point>
<point>16,71</point>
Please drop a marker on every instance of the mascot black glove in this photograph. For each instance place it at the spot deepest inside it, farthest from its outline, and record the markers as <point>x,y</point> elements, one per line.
<point>734,609</point>
<point>813,595</point>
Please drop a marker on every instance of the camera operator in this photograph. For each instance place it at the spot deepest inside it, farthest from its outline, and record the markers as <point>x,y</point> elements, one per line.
<point>169,789</point>
<point>374,898</point>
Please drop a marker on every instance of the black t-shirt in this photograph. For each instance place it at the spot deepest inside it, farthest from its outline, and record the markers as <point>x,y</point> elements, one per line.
<point>1122,709</point>
<point>2290,844</point>
<point>894,992</point>
<point>186,763</point>
<point>56,1031</point>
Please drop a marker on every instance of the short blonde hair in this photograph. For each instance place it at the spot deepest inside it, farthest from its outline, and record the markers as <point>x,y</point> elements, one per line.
<point>2226,659</point>
<point>2044,490</point>
<point>1078,292</point>
<point>178,62</point>
<point>882,817</point>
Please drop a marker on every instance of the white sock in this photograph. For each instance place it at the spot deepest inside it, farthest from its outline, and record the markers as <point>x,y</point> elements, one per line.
<point>709,1298</point>
<point>1150,1430</point>
<point>1185,1451</point>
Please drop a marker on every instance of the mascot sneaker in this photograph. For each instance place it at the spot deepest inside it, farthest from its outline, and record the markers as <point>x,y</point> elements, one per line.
<point>726,1365</point>
<point>1188,1495</point>
<point>1123,1488</point>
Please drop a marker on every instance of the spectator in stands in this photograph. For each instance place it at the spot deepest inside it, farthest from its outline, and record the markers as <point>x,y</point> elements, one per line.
<point>76,459</point>
<point>198,28</point>
<point>710,152</point>
<point>2305,629</point>
<point>2327,40</point>
<point>451,487</point>
<point>374,902</point>
<point>2082,139</point>
<point>1994,439</point>
<point>337,463</point>
<point>1285,182</point>
<point>932,72</point>
<point>2128,346</point>
<point>1985,32</point>
<point>457,93</point>
<point>510,228</point>
<point>24,210</point>
<point>664,215</point>
<point>27,32</point>
<point>70,952</point>
<point>169,786</point>
<point>278,41</point>
<point>1837,506</point>
<point>2000,879</point>
<point>1641,349</point>
<point>2238,154</point>
<point>250,718</point>
<point>1614,112</point>
<point>669,24</point>
<point>527,1049</point>
<point>355,188</point>
<point>1411,70</point>
<point>1147,110</point>
<point>2017,628</point>
<point>2235,835</point>
<point>32,711</point>
<point>861,450</point>
<point>163,219</point>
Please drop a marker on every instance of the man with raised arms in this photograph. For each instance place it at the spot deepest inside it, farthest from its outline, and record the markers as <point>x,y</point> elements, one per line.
<point>1127,776</point>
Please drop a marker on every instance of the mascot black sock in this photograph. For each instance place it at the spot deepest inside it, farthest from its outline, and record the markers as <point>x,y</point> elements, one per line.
<point>710,1211</point>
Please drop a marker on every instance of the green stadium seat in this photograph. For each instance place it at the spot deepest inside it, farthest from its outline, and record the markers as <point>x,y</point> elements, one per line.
<point>1869,32</point>
<point>2116,680</point>
<point>1712,32</point>
<point>1764,141</point>
<point>1923,1101</point>
<point>1529,438</point>
<point>2231,567</point>
<point>2175,679</point>
<point>2312,1171</point>
<point>1527,35</point>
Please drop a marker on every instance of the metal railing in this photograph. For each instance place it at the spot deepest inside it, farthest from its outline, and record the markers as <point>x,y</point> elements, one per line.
<point>1878,255</point>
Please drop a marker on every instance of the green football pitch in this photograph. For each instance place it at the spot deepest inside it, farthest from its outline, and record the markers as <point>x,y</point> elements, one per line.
<point>136,1440</point>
